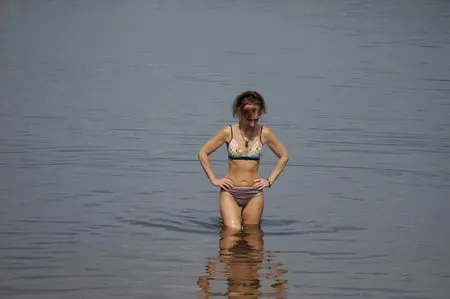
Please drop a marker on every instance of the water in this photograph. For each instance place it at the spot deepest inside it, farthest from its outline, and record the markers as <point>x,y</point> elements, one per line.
<point>104,104</point>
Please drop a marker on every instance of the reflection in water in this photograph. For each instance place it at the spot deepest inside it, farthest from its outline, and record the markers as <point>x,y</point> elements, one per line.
<point>244,266</point>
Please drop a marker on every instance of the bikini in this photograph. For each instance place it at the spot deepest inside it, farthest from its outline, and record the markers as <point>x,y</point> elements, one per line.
<point>243,194</point>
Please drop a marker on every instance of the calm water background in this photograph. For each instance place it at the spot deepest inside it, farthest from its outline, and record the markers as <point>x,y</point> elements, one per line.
<point>104,104</point>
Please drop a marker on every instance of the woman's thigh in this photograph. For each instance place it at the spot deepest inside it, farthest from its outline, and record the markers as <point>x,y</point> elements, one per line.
<point>253,210</point>
<point>230,211</point>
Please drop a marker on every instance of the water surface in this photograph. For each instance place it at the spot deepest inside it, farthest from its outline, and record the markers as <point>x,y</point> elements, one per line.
<point>104,104</point>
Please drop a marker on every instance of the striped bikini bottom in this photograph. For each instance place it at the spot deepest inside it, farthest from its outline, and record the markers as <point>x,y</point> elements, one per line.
<point>243,195</point>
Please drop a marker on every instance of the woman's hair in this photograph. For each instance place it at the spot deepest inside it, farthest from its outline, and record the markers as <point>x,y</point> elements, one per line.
<point>249,97</point>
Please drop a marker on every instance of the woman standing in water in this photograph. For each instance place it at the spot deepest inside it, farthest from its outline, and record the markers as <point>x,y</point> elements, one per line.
<point>241,190</point>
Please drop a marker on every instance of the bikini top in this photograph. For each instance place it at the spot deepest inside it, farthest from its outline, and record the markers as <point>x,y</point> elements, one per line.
<point>235,153</point>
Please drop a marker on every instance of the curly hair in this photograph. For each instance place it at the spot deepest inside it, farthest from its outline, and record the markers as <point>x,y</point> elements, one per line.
<point>249,97</point>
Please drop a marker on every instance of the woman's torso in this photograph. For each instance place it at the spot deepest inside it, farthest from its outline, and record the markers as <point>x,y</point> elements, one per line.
<point>244,161</point>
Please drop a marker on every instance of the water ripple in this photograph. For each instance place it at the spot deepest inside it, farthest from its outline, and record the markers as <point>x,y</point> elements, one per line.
<point>11,291</point>
<point>169,225</point>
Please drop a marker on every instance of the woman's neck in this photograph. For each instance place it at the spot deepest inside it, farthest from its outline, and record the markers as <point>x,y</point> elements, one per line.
<point>247,130</point>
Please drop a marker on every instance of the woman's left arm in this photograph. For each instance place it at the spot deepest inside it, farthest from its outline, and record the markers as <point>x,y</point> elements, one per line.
<point>279,150</point>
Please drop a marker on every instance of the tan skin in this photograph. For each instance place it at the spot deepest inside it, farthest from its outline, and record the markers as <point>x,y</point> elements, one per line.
<point>243,172</point>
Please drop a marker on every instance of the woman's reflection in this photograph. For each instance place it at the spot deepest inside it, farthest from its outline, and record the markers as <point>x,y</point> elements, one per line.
<point>244,265</point>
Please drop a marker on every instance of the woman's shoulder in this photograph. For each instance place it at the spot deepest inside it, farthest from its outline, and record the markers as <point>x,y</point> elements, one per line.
<point>230,128</point>
<point>226,132</point>
<point>267,133</point>
<point>266,130</point>
<point>227,128</point>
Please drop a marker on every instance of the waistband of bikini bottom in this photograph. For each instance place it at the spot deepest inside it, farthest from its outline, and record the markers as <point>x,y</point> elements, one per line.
<point>244,188</point>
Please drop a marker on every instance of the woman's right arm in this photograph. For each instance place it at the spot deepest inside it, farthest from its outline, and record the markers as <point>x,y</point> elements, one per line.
<point>209,147</point>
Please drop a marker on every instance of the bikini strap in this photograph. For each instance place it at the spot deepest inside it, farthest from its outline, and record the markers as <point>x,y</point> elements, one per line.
<point>260,134</point>
<point>231,128</point>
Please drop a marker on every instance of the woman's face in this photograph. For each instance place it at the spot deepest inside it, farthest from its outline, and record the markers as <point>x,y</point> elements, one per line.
<point>250,114</point>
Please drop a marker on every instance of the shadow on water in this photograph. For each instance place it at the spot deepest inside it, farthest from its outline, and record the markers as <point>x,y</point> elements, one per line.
<point>243,268</point>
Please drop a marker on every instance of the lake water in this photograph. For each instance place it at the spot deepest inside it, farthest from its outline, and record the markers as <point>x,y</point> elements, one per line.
<point>104,105</point>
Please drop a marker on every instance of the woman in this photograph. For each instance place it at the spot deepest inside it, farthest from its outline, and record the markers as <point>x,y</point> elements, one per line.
<point>241,190</point>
